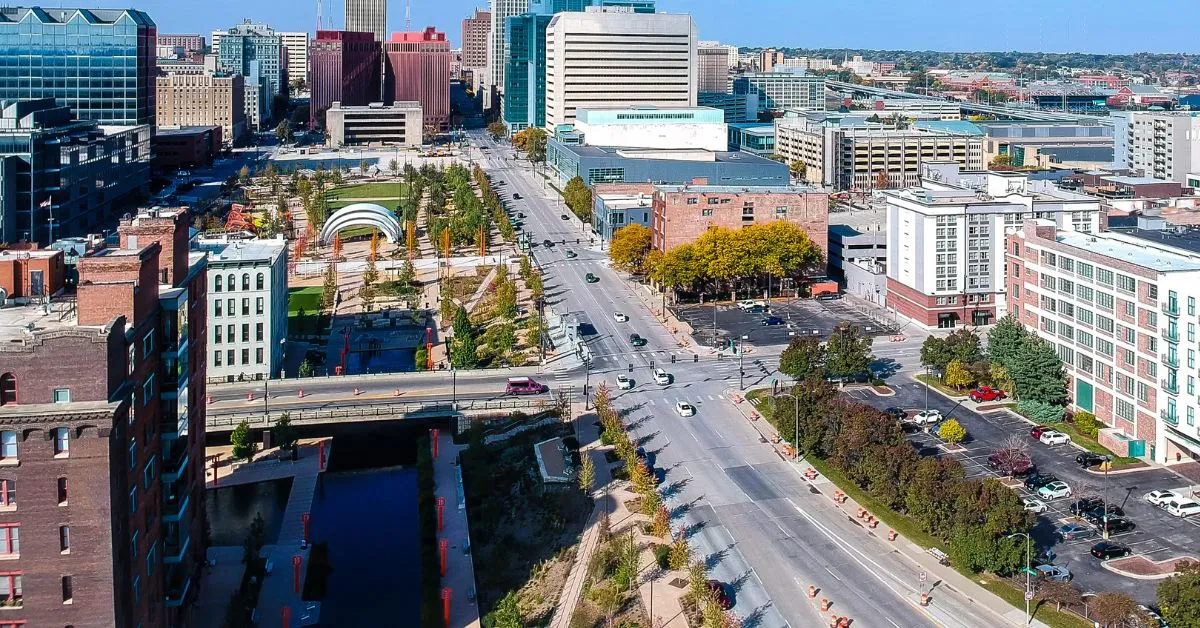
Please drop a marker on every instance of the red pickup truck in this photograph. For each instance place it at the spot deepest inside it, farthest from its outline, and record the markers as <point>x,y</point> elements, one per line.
<point>984,393</point>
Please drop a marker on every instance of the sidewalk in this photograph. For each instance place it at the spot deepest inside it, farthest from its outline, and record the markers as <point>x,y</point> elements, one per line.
<point>460,573</point>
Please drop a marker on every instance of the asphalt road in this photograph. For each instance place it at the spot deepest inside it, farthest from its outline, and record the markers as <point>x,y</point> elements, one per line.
<point>747,513</point>
<point>1157,535</point>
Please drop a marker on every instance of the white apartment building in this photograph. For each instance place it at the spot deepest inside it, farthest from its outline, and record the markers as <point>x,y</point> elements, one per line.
<point>247,306</point>
<point>1159,144</point>
<point>946,239</point>
<point>296,45</point>
<point>611,56</point>
<point>1121,310</point>
<point>497,50</point>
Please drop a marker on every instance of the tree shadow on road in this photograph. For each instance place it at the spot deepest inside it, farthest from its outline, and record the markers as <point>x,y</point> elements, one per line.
<point>642,440</point>
<point>683,509</point>
<point>695,528</point>
<point>674,488</point>
<point>712,560</point>
<point>742,579</point>
<point>755,618</point>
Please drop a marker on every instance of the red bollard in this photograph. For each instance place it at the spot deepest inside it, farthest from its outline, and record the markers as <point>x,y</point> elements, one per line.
<point>210,400</point>
<point>441,508</point>
<point>306,517</point>
<point>249,396</point>
<point>356,391</point>
<point>301,395</point>
<point>443,545</point>
<point>396,393</point>
<point>433,435</point>
<point>321,449</point>
<point>296,560</point>
<point>285,615</point>
<point>446,605</point>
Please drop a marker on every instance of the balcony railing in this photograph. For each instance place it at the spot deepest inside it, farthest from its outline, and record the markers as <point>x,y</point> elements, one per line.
<point>1169,386</point>
<point>174,507</point>
<point>175,548</point>
<point>1170,335</point>
<point>1170,360</point>
<point>1170,308</point>
<point>178,583</point>
<point>1169,417</point>
<point>174,466</point>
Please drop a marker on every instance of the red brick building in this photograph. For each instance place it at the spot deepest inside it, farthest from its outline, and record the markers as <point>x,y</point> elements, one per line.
<point>186,147</point>
<point>102,430</point>
<point>342,67</point>
<point>682,213</point>
<point>418,70</point>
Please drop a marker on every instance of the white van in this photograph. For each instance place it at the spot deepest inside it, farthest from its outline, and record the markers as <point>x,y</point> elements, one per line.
<point>661,377</point>
<point>1182,507</point>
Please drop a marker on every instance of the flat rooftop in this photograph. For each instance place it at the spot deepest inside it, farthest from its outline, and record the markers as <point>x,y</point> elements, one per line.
<point>1157,250</point>
<point>671,155</point>
<point>1134,180</point>
<point>745,189</point>
<point>241,250</point>
<point>859,220</point>
<point>18,323</point>
<point>626,201</point>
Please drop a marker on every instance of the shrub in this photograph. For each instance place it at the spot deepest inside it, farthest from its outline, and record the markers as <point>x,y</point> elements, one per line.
<point>662,555</point>
<point>1040,412</point>
<point>1085,422</point>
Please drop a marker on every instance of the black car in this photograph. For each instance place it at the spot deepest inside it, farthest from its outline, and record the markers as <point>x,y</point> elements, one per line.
<point>771,321</point>
<point>563,216</point>
<point>1105,550</point>
<point>896,413</point>
<point>1098,511</point>
<point>1084,505</point>
<point>590,278</point>
<point>1116,525</point>
<point>755,309</point>
<point>1036,481</point>
<point>637,340</point>
<point>1089,459</point>
<point>516,197</point>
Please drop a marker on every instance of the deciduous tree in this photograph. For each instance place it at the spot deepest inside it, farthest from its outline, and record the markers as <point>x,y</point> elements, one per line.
<point>1179,595</point>
<point>587,474</point>
<point>803,358</point>
<point>1059,594</point>
<point>952,431</point>
<point>1111,608</point>
<point>629,247</point>
<point>498,130</point>
<point>848,352</point>
<point>958,375</point>
<point>242,441</point>
<point>535,144</point>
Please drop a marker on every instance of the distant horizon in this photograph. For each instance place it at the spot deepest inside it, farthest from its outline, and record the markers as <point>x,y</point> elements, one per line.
<point>1102,27</point>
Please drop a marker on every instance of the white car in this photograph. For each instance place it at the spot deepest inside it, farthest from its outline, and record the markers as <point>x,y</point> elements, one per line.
<point>1158,498</point>
<point>746,305</point>
<point>685,409</point>
<point>1054,490</point>
<point>661,377</point>
<point>1033,504</point>
<point>1182,507</point>
<point>1052,437</point>
<point>624,383</point>
<point>621,317</point>
<point>927,417</point>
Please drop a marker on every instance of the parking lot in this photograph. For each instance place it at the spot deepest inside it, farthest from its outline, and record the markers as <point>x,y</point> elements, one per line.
<point>1158,536</point>
<point>808,317</point>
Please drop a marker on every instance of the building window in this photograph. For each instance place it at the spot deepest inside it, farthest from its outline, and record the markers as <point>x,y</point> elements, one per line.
<point>1152,291</point>
<point>133,544</point>
<point>10,541</point>
<point>245,332</point>
<point>148,344</point>
<point>1126,283</point>
<point>232,283</point>
<point>692,200</point>
<point>8,493</point>
<point>62,491</point>
<point>245,281</point>
<point>8,389</point>
<point>259,281</point>
<point>137,590</point>
<point>68,592</point>
<point>216,358</point>
<point>781,211</point>
<point>1104,276</point>
<point>1191,306</point>
<point>10,588</point>
<point>245,356</point>
<point>64,539</point>
<point>133,502</point>
<point>217,284</point>
<point>258,331</point>
<point>245,307</point>
<point>258,355</point>
<point>8,446</point>
<point>217,335</point>
<point>148,474</point>
<point>1124,409</point>
<point>148,390</point>
<point>706,212</point>
<point>231,306</point>
<point>61,395</point>
<point>216,307</point>
<point>229,355</point>
<point>258,305</point>
<point>62,442</point>
<point>133,453</point>
<point>230,331</point>
<point>151,559</point>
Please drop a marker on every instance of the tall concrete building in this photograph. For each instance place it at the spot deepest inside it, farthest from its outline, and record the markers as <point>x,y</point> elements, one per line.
<point>778,91</point>
<point>192,45</point>
<point>613,56</point>
<point>77,57</point>
<point>713,69</point>
<point>498,46</point>
<point>397,124</point>
<point>256,52</point>
<point>768,59</point>
<point>295,44</point>
<point>203,100</point>
<point>1159,144</point>
<point>418,69</point>
<point>367,16</point>
<point>102,395</point>
<point>344,67</point>
<point>475,31</point>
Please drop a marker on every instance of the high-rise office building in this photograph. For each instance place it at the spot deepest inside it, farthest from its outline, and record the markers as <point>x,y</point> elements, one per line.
<point>783,90</point>
<point>713,69</point>
<point>418,69</point>
<point>295,44</point>
<point>498,46</point>
<point>256,52</point>
<point>475,31</point>
<point>344,67</point>
<point>103,389</point>
<point>55,166</point>
<point>76,56</point>
<point>191,45</point>
<point>217,99</point>
<point>367,16</point>
<point>768,59</point>
<point>617,57</point>
<point>524,102</point>
<point>1160,144</point>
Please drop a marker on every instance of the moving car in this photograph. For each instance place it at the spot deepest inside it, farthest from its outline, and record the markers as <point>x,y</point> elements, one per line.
<point>661,377</point>
<point>1158,498</point>
<point>1054,490</point>
<point>927,417</point>
<point>1054,437</point>
<point>590,278</point>
<point>755,309</point>
<point>1038,480</point>
<point>1036,432</point>
<point>516,197</point>
<point>747,305</point>
<point>771,321</point>
<point>524,386</point>
<point>1182,507</point>
<point>637,340</point>
<point>1056,573</point>
<point>620,318</point>
<point>685,409</point>
<point>563,216</point>
<point>718,591</point>
<point>1073,531</point>
<point>1033,504</point>
<point>985,393</point>
<point>520,214</point>
<point>1105,550</point>
<point>624,383</point>
<point>1089,459</point>
<point>570,254</point>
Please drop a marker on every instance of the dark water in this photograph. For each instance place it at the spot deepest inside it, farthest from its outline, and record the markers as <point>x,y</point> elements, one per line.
<point>390,361</point>
<point>232,509</point>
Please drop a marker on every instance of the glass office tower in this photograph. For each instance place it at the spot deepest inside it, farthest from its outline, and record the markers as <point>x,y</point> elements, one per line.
<point>98,62</point>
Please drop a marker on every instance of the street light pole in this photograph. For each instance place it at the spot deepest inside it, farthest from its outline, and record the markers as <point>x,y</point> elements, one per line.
<point>927,376</point>
<point>1028,591</point>
<point>796,405</point>
<point>742,364</point>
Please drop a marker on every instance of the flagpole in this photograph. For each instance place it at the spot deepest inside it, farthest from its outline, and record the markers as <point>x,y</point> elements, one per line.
<point>50,210</point>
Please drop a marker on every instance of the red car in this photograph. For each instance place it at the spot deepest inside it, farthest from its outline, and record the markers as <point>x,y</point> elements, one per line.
<point>718,591</point>
<point>1036,432</point>
<point>984,393</point>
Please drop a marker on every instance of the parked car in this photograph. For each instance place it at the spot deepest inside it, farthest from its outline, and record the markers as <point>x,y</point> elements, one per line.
<point>637,340</point>
<point>661,377</point>
<point>685,409</point>
<point>1084,505</point>
<point>1054,437</point>
<point>1088,459</point>
<point>1105,550</point>
<point>624,383</point>
<point>1057,573</point>
<point>1036,432</point>
<point>745,306</point>
<point>1100,510</point>
<point>896,413</point>
<point>718,590</point>
<point>771,321</point>
<point>1158,498</point>
<point>927,417</point>
<point>548,243</point>
<point>1182,507</point>
<point>1033,504</point>
<point>1073,531</point>
<point>620,318</point>
<point>986,393</point>
<point>1116,525</point>
<point>1054,490</point>
<point>1038,480</point>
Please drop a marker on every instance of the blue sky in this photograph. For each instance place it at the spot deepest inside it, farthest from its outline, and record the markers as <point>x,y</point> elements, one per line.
<point>1105,26</point>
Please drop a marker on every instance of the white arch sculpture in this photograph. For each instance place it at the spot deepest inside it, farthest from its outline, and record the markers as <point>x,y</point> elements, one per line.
<point>362,214</point>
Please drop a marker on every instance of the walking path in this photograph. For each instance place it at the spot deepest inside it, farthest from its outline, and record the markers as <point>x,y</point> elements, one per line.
<point>459,578</point>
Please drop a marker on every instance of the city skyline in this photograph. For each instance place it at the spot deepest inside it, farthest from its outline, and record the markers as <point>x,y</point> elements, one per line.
<point>1101,27</point>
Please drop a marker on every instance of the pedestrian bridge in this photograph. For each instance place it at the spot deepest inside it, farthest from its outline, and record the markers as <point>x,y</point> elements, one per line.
<point>380,412</point>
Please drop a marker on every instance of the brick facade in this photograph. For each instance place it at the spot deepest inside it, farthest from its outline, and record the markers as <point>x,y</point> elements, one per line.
<point>680,216</point>
<point>925,309</point>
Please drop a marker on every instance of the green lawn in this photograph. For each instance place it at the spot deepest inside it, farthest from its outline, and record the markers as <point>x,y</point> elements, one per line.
<point>1042,612</point>
<point>942,388</point>
<point>307,299</point>
<point>1081,439</point>
<point>367,190</point>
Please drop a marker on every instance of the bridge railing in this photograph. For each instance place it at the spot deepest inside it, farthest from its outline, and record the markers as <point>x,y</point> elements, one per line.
<point>376,412</point>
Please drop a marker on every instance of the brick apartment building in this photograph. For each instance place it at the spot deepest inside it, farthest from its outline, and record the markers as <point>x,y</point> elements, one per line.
<point>682,213</point>
<point>102,432</point>
<point>1121,310</point>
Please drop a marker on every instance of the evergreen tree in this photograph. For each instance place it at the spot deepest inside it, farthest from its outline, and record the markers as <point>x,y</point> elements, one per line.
<point>462,323</point>
<point>1037,372</point>
<point>1004,341</point>
<point>242,441</point>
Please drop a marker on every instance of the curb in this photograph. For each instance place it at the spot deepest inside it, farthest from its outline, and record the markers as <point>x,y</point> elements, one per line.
<point>1121,572</point>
